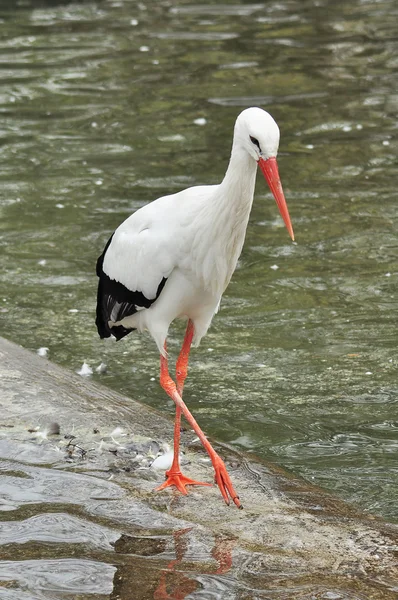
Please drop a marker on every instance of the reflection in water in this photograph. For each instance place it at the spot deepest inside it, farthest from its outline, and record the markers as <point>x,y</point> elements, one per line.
<point>181,576</point>
<point>175,584</point>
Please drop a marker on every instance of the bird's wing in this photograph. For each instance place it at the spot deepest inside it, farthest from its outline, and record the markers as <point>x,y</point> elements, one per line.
<point>115,301</point>
<point>139,258</point>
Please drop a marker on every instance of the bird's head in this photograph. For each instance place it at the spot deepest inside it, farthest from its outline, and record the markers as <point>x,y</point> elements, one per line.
<point>257,132</point>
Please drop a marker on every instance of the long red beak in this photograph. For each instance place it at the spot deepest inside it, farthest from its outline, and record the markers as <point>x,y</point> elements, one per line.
<point>269,168</point>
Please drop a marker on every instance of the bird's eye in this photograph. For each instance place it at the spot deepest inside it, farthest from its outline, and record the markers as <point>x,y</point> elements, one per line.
<point>255,142</point>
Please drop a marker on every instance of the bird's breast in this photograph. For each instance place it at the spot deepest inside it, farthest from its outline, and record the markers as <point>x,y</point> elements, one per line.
<point>214,254</point>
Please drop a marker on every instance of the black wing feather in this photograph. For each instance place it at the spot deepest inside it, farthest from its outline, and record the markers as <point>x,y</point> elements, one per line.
<point>116,300</point>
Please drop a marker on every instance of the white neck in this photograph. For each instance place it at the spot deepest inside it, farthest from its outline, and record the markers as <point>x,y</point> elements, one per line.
<point>227,215</point>
<point>237,187</point>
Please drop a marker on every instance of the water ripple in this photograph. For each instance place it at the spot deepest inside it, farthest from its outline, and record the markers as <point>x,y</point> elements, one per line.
<point>57,528</point>
<point>70,576</point>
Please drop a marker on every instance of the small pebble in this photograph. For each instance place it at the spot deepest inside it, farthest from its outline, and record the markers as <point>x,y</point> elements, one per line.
<point>54,429</point>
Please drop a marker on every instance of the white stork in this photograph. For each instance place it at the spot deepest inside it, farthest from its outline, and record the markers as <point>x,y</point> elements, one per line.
<point>174,258</point>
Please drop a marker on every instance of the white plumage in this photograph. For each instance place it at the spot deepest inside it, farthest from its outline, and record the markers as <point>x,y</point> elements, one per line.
<point>175,256</point>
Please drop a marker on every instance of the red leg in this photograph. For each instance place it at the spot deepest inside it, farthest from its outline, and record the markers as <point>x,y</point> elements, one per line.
<point>181,375</point>
<point>182,361</point>
<point>174,475</point>
<point>221,476</point>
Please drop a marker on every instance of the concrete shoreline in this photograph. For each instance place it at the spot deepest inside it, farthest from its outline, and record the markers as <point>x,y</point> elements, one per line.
<point>291,540</point>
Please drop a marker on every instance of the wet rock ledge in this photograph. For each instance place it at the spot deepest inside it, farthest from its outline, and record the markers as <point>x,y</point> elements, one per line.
<point>78,508</point>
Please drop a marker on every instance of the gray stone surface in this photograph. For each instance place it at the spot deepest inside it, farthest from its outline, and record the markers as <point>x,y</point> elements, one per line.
<point>80,517</point>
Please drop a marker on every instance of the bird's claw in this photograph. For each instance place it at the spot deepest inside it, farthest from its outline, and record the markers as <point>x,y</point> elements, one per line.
<point>180,481</point>
<point>223,480</point>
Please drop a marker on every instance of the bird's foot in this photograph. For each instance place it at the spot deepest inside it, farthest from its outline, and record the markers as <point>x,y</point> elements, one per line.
<point>224,482</point>
<point>179,480</point>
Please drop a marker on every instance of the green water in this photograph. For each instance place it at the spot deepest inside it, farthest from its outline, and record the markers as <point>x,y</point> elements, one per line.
<point>98,103</point>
